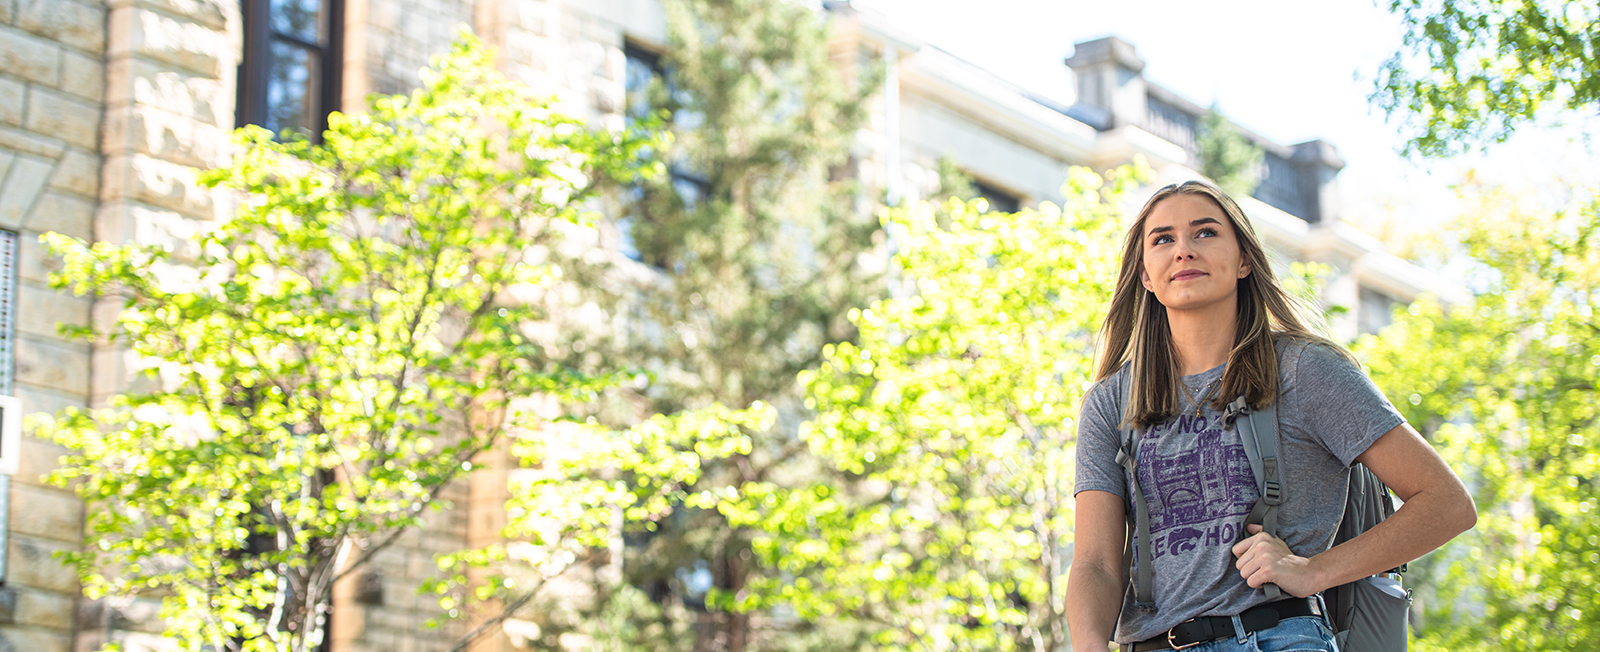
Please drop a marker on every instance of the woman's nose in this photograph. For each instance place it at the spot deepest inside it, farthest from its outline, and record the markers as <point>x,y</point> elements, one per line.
<point>1183,251</point>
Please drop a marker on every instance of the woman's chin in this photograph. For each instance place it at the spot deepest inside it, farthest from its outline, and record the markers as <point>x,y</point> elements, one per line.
<point>1191,303</point>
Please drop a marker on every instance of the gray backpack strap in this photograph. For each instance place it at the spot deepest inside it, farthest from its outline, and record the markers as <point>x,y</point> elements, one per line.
<point>1139,529</point>
<point>1259,432</point>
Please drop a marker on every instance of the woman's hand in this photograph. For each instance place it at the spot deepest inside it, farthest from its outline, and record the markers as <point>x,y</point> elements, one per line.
<point>1265,559</point>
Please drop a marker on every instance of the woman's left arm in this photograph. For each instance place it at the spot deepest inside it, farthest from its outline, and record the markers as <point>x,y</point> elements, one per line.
<point>1437,507</point>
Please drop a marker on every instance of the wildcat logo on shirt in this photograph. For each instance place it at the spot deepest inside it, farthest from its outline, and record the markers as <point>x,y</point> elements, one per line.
<point>1197,496</point>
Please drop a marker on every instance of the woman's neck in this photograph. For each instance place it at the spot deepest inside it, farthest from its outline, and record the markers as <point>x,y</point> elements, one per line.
<point>1203,338</point>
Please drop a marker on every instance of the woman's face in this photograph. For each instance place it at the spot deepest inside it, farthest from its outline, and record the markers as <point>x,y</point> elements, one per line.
<point>1192,258</point>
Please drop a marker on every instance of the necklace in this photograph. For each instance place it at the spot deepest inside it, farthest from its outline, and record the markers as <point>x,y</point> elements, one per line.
<point>1204,394</point>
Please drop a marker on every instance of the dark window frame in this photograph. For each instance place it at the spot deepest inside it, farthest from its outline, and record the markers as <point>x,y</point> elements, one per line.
<point>10,255</point>
<point>651,60</point>
<point>255,66</point>
<point>692,187</point>
<point>1375,310</point>
<point>1000,200</point>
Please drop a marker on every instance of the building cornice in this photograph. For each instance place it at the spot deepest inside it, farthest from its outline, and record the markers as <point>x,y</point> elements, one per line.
<point>1275,227</point>
<point>876,27</point>
<point>941,77</point>
<point>1123,143</point>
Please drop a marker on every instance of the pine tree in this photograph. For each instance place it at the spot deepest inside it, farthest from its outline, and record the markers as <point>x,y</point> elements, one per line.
<point>1226,156</point>
<point>752,241</point>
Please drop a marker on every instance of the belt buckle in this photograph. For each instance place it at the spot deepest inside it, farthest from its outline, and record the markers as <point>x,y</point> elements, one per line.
<point>1174,643</point>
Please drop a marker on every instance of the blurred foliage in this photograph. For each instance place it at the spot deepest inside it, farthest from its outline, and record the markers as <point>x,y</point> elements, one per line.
<point>1505,387</point>
<point>1470,72</point>
<point>313,372</point>
<point>758,226</point>
<point>941,511</point>
<point>749,252</point>
<point>1227,156</point>
<point>953,182</point>
<point>1305,281</point>
<point>1395,223</point>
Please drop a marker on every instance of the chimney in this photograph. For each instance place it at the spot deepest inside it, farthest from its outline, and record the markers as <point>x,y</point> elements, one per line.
<point>1111,89</point>
<point>1319,165</point>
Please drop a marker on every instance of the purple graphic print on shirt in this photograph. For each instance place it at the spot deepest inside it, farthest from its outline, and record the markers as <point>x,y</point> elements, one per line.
<point>1198,496</point>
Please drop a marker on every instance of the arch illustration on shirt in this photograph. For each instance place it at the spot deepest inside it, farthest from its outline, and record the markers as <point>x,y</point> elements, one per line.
<point>1198,494</point>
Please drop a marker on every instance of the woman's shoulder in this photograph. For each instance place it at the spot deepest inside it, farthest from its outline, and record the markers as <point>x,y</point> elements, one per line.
<point>1110,388</point>
<point>1104,396</point>
<point>1296,349</point>
<point>1312,359</point>
<point>1100,430</point>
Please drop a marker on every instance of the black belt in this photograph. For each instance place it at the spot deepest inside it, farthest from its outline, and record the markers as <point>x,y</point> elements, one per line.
<point>1210,628</point>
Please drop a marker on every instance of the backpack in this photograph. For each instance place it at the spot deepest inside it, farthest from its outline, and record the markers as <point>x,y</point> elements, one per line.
<point>1367,615</point>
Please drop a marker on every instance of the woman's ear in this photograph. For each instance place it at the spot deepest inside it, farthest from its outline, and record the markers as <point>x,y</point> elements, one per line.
<point>1244,270</point>
<point>1144,279</point>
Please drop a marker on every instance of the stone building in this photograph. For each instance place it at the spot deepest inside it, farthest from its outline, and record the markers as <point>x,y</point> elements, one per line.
<point>109,108</point>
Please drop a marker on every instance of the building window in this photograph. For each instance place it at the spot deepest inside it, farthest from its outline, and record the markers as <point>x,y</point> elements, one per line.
<point>643,68</point>
<point>999,200</point>
<point>1171,124</point>
<point>8,313</point>
<point>641,74</point>
<point>648,88</point>
<point>1280,186</point>
<point>289,76</point>
<point>1376,311</point>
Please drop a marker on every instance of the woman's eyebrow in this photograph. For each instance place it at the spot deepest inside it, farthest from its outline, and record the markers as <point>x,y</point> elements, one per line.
<point>1198,222</point>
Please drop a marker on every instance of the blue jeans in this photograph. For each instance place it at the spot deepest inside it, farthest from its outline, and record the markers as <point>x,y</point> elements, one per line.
<point>1299,634</point>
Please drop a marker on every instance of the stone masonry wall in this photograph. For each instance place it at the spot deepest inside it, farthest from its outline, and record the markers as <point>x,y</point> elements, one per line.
<point>169,96</point>
<point>379,609</point>
<point>108,110</point>
<point>570,50</point>
<point>388,41</point>
<point>52,90</point>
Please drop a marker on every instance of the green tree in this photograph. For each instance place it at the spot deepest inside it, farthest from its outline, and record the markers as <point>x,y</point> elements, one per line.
<point>1505,385</point>
<point>1227,156</point>
<point>953,182</point>
<point>749,252</point>
<point>941,518</point>
<point>318,368</point>
<point>1470,72</point>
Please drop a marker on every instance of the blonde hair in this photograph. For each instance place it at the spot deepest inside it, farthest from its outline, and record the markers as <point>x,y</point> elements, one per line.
<point>1136,329</point>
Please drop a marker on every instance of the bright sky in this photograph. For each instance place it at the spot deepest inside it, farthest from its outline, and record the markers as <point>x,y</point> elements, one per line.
<point>1290,71</point>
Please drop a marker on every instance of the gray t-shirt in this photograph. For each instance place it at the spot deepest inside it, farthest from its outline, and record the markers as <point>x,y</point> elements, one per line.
<point>1197,479</point>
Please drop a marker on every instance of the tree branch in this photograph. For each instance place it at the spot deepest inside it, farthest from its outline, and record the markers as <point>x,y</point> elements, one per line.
<point>510,609</point>
<point>433,495</point>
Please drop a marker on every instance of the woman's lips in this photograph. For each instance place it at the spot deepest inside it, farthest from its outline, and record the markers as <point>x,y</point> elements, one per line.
<point>1188,274</point>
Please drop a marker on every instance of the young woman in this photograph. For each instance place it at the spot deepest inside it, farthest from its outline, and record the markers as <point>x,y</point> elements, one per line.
<point>1198,319</point>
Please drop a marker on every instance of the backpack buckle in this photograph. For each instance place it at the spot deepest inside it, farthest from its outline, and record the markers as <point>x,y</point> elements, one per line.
<point>1238,407</point>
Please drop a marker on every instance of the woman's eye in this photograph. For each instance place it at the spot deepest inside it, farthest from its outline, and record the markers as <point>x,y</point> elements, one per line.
<point>1161,239</point>
<point>1206,233</point>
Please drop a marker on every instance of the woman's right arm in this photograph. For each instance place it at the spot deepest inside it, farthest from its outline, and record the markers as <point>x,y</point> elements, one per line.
<point>1097,577</point>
